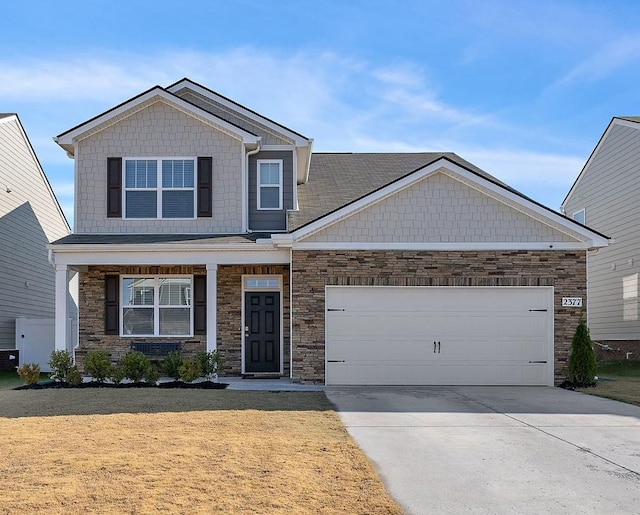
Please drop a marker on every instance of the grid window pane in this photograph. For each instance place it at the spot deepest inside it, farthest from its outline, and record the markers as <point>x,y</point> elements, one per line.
<point>175,292</point>
<point>269,173</point>
<point>177,204</point>
<point>141,204</point>
<point>138,321</point>
<point>175,321</point>
<point>177,173</point>
<point>138,292</point>
<point>140,173</point>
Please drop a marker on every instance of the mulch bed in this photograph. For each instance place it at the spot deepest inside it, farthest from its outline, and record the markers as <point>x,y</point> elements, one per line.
<point>203,385</point>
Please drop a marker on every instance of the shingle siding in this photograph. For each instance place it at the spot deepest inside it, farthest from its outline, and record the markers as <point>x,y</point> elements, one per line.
<point>609,191</point>
<point>439,209</point>
<point>313,270</point>
<point>159,130</point>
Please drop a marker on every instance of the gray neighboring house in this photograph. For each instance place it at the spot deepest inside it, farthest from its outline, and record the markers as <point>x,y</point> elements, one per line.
<point>30,218</point>
<point>605,196</point>
<point>204,225</point>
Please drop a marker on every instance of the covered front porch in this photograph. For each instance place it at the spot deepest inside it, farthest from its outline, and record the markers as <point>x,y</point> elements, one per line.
<point>205,297</point>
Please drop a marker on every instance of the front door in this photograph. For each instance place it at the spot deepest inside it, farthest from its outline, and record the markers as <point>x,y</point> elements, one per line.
<point>262,331</point>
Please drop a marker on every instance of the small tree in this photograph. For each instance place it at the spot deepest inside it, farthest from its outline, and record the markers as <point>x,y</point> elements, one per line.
<point>61,364</point>
<point>582,360</point>
<point>29,372</point>
<point>135,365</point>
<point>97,363</point>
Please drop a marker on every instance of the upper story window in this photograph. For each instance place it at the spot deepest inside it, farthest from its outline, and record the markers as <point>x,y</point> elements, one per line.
<point>269,184</point>
<point>579,216</point>
<point>159,188</point>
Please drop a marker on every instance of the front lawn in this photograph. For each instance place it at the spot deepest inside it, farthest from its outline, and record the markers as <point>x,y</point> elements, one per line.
<point>618,380</point>
<point>181,451</point>
<point>10,379</point>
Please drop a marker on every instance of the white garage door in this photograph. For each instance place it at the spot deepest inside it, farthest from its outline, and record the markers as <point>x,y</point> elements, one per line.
<point>439,335</point>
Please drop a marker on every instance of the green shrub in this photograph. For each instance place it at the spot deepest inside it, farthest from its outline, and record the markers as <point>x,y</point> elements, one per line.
<point>152,374</point>
<point>117,374</point>
<point>135,365</point>
<point>61,364</point>
<point>73,376</point>
<point>190,370</point>
<point>210,363</point>
<point>582,361</point>
<point>172,364</point>
<point>29,373</point>
<point>97,364</point>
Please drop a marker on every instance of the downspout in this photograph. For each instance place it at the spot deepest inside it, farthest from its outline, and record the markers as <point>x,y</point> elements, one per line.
<point>246,178</point>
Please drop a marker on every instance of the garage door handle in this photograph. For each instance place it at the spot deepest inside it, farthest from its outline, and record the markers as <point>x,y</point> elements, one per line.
<point>538,310</point>
<point>537,361</point>
<point>335,309</point>
<point>336,361</point>
<point>436,345</point>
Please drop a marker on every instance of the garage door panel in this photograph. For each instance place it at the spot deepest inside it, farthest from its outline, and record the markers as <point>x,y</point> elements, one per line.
<point>386,335</point>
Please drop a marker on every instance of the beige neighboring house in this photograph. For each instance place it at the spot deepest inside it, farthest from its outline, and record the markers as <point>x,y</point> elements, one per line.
<point>203,225</point>
<point>606,197</point>
<point>30,218</point>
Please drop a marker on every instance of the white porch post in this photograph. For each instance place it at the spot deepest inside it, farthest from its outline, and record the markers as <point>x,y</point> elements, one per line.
<point>212,307</point>
<point>62,287</point>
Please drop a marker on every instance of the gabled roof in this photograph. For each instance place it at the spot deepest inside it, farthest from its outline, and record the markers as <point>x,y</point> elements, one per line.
<point>628,121</point>
<point>342,184</point>
<point>66,139</point>
<point>8,117</point>
<point>298,138</point>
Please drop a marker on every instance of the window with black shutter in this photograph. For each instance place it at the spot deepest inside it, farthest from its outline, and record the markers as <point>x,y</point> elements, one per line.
<point>114,187</point>
<point>200,304</point>
<point>205,187</point>
<point>112,304</point>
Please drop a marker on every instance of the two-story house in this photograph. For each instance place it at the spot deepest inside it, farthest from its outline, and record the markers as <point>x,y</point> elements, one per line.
<point>203,222</point>
<point>605,196</point>
<point>30,218</point>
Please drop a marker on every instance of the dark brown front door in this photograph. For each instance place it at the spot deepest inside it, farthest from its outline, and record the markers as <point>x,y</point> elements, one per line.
<point>262,331</point>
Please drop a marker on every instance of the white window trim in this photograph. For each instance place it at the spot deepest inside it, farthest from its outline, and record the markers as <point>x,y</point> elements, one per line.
<point>159,189</point>
<point>279,162</point>
<point>156,306</point>
<point>584,216</point>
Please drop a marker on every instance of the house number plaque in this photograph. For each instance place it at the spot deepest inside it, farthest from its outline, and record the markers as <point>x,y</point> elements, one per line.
<point>574,302</point>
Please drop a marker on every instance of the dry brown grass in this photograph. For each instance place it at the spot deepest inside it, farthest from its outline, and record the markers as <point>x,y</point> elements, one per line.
<point>625,389</point>
<point>180,451</point>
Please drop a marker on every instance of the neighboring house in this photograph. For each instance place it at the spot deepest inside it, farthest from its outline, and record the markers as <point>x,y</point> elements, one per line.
<point>201,222</point>
<point>30,218</point>
<point>605,196</point>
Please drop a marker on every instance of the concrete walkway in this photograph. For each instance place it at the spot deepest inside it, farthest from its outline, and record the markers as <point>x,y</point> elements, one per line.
<point>497,449</point>
<point>279,385</point>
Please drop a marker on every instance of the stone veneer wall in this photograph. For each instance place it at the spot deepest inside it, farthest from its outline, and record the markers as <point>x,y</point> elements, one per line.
<point>229,295</point>
<point>313,270</point>
<point>230,301</point>
<point>91,312</point>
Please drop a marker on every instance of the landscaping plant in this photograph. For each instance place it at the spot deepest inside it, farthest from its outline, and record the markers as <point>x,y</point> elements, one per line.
<point>152,374</point>
<point>29,372</point>
<point>172,364</point>
<point>210,363</point>
<point>61,364</point>
<point>582,360</point>
<point>73,376</point>
<point>135,365</point>
<point>117,374</point>
<point>97,364</point>
<point>190,370</point>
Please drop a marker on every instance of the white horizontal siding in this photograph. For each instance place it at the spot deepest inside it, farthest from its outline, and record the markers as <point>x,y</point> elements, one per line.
<point>609,190</point>
<point>29,220</point>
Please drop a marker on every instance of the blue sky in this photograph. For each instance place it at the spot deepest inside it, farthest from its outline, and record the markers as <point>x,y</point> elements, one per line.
<point>522,89</point>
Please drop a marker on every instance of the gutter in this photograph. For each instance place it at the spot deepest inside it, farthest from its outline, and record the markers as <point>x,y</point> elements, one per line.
<point>245,185</point>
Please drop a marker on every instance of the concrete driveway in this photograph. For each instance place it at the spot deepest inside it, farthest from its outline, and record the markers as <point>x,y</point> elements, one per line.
<point>497,449</point>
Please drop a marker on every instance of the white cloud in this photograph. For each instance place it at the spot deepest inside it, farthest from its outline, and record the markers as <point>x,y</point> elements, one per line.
<point>610,58</point>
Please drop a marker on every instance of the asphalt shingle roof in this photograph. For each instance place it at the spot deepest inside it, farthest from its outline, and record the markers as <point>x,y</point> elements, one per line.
<point>337,179</point>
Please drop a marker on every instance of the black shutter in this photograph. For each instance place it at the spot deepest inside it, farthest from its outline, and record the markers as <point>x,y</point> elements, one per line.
<point>112,304</point>
<point>205,187</point>
<point>199,304</point>
<point>114,187</point>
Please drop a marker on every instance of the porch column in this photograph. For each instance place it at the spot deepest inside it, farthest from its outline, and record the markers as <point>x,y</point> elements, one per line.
<point>62,287</point>
<point>212,306</point>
